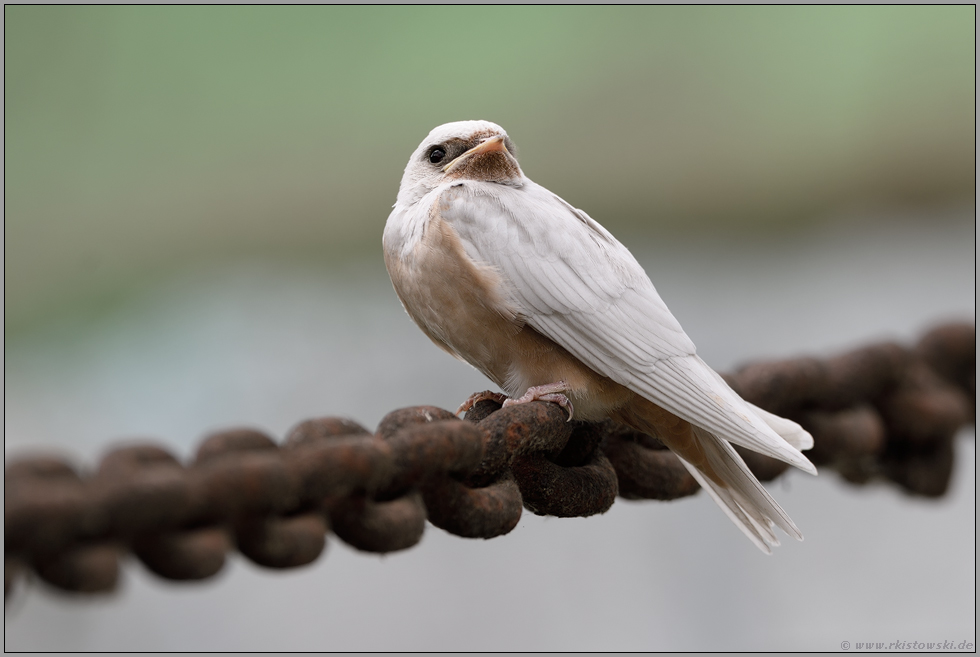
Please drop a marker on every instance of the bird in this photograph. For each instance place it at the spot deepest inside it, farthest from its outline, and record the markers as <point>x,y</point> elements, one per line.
<point>507,276</point>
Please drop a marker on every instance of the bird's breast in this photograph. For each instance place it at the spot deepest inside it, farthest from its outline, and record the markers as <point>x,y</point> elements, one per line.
<point>459,303</point>
<point>464,307</point>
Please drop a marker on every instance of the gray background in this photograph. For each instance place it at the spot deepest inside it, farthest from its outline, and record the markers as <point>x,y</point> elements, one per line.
<point>193,210</point>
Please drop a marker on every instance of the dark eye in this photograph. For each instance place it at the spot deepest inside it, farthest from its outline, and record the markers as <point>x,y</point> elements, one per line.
<point>436,155</point>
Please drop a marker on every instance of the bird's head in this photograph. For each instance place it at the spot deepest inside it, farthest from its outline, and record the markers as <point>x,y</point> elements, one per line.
<point>465,150</point>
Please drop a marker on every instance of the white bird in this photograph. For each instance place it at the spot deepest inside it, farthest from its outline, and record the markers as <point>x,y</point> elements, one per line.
<point>507,276</point>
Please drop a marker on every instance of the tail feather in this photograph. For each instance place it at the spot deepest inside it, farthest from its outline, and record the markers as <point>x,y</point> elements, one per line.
<point>715,464</point>
<point>742,497</point>
<point>761,537</point>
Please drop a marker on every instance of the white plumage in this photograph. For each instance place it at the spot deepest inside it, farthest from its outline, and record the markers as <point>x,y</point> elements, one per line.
<point>551,267</point>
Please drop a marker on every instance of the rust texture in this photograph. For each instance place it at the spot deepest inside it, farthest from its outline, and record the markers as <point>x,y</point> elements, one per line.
<point>882,412</point>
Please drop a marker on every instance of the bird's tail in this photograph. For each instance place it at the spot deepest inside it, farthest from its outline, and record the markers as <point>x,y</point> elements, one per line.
<point>739,494</point>
<point>720,470</point>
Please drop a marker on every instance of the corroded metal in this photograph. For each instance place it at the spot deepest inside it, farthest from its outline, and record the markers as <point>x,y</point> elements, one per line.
<point>884,411</point>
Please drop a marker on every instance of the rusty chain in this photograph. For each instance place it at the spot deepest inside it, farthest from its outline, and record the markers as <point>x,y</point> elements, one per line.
<point>880,412</point>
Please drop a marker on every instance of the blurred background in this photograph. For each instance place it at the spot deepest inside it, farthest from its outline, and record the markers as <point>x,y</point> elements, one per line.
<point>194,201</point>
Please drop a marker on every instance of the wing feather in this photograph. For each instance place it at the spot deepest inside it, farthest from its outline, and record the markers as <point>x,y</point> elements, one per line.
<point>573,282</point>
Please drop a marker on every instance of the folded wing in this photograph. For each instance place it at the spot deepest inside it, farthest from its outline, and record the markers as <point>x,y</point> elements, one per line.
<point>576,284</point>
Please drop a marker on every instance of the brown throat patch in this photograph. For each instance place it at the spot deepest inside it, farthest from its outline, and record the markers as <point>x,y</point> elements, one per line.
<point>495,166</point>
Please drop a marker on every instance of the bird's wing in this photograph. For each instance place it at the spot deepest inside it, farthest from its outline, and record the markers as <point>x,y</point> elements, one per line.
<point>576,284</point>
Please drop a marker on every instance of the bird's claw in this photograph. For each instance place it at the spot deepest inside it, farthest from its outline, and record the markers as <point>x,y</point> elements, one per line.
<point>477,397</point>
<point>551,392</point>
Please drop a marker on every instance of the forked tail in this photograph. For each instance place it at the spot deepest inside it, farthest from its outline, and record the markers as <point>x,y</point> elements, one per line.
<point>740,495</point>
<point>720,470</point>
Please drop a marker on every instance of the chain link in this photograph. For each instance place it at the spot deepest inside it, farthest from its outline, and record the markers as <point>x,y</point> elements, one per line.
<point>880,412</point>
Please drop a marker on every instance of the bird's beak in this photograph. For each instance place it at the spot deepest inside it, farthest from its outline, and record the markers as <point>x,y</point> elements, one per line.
<point>486,146</point>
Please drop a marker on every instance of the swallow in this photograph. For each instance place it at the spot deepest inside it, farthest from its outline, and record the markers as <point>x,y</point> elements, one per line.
<point>507,276</point>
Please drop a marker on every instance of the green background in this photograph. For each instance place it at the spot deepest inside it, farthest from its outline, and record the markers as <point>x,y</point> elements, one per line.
<point>139,140</point>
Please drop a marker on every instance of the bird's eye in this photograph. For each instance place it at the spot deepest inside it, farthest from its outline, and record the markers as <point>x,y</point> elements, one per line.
<point>436,155</point>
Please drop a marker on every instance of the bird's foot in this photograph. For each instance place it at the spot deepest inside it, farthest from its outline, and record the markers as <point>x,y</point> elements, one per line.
<point>477,397</point>
<point>550,392</point>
